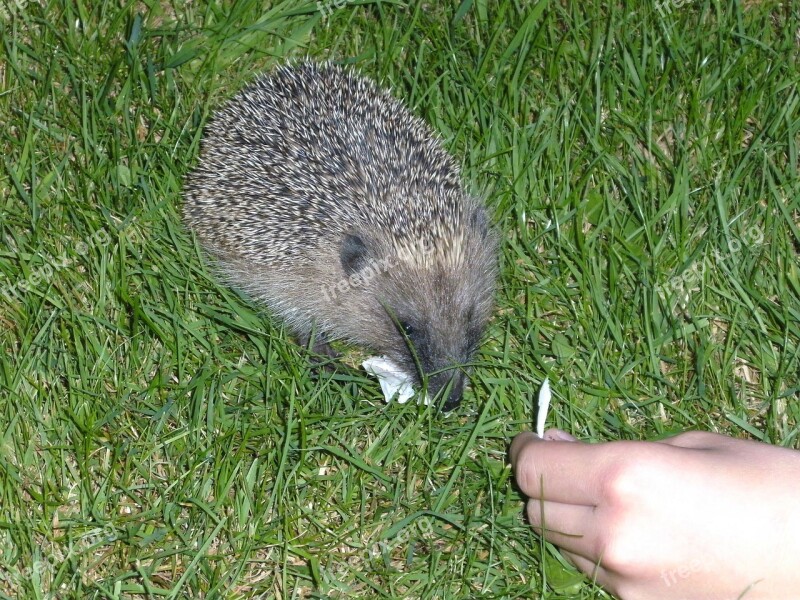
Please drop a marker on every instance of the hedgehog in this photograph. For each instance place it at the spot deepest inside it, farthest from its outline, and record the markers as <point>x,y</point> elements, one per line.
<point>320,195</point>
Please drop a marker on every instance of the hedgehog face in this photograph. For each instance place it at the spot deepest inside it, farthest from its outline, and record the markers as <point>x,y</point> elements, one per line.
<point>437,348</point>
<point>432,302</point>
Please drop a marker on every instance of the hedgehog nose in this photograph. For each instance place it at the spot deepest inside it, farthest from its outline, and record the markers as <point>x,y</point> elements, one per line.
<point>454,387</point>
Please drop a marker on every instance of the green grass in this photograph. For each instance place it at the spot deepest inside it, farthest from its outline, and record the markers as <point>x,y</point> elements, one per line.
<point>160,437</point>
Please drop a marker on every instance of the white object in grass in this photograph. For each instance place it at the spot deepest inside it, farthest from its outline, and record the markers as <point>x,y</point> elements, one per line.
<point>394,381</point>
<point>544,404</point>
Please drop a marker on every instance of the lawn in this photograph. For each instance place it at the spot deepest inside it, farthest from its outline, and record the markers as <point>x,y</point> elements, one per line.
<point>162,437</point>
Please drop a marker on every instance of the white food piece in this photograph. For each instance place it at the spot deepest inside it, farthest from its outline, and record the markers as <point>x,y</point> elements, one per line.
<point>544,404</point>
<point>394,381</point>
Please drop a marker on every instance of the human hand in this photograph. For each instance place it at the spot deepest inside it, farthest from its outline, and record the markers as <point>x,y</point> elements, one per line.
<point>697,516</point>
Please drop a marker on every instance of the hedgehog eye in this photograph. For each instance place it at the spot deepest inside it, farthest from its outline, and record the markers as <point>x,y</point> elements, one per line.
<point>407,329</point>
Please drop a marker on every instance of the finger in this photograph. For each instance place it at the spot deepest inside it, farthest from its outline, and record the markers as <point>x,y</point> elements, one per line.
<point>594,572</point>
<point>591,567</point>
<point>573,527</point>
<point>557,435</point>
<point>554,435</point>
<point>569,472</point>
<point>519,442</point>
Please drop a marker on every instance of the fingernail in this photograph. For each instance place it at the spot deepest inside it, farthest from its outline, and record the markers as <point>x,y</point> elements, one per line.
<point>557,435</point>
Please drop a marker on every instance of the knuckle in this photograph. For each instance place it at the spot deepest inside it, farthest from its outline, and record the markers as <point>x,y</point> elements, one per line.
<point>621,550</point>
<point>630,474</point>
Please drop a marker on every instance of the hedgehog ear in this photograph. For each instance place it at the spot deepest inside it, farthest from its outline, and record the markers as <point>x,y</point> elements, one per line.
<point>480,221</point>
<point>354,254</point>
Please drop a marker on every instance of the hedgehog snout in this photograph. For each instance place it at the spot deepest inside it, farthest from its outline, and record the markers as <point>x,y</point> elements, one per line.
<point>445,378</point>
<point>434,357</point>
<point>452,382</point>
